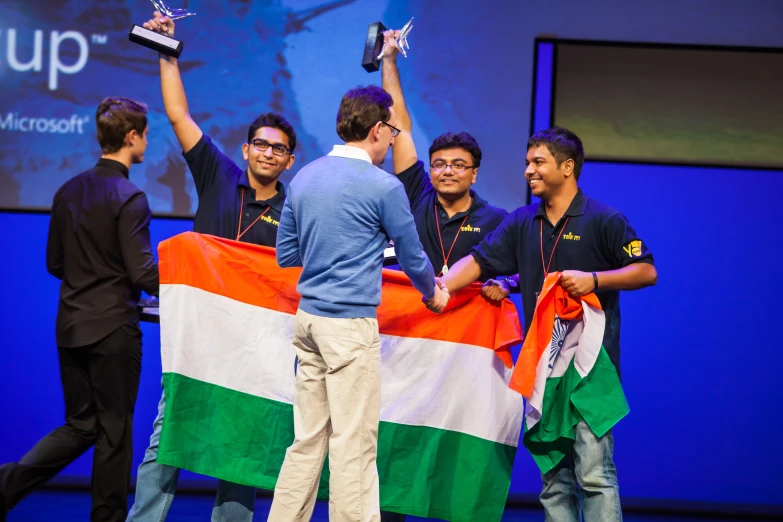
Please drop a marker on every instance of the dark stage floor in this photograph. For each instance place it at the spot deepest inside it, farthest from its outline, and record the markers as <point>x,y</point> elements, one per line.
<point>72,506</point>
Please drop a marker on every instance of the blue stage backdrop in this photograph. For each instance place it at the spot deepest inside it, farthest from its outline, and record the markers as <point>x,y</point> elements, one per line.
<point>700,353</point>
<point>240,59</point>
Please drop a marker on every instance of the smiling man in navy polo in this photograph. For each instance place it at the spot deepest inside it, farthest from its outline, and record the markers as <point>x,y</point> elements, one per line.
<point>597,250</point>
<point>234,203</point>
<point>450,217</point>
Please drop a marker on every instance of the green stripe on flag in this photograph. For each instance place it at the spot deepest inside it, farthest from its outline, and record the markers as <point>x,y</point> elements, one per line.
<point>420,477</point>
<point>245,438</point>
<point>224,433</point>
<point>598,399</point>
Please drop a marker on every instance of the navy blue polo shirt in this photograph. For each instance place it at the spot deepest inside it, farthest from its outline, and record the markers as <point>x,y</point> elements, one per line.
<point>222,186</point>
<point>595,238</point>
<point>473,226</point>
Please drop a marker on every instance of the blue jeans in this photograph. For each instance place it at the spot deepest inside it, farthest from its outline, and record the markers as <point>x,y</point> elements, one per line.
<point>585,480</point>
<point>156,484</point>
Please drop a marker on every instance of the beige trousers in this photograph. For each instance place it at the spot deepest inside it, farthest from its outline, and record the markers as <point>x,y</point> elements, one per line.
<point>337,407</point>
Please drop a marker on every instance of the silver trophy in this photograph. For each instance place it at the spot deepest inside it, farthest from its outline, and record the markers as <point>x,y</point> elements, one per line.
<point>171,12</point>
<point>156,41</point>
<point>374,46</point>
<point>402,39</point>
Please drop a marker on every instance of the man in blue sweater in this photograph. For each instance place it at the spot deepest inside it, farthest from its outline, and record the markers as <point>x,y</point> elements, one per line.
<point>339,215</point>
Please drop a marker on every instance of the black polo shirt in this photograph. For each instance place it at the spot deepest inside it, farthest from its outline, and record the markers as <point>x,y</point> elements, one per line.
<point>595,238</point>
<point>464,230</point>
<point>222,186</point>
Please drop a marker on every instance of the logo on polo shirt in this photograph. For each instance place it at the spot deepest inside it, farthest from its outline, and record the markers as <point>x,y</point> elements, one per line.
<point>468,228</point>
<point>270,220</point>
<point>572,237</point>
<point>634,248</point>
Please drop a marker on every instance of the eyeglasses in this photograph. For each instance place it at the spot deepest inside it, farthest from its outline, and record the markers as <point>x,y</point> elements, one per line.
<point>263,145</point>
<point>394,130</point>
<point>457,167</point>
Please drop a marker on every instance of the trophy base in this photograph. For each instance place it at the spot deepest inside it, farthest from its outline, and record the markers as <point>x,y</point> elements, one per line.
<point>373,46</point>
<point>155,41</point>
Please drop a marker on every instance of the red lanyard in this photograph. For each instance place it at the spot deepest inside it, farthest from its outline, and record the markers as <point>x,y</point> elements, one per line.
<point>446,257</point>
<point>541,240</point>
<point>241,209</point>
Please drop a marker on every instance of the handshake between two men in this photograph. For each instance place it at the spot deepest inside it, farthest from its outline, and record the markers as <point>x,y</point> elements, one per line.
<point>438,301</point>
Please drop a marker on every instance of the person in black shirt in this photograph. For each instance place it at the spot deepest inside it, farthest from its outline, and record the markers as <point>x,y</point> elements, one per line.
<point>99,247</point>
<point>596,250</point>
<point>450,217</point>
<point>234,203</point>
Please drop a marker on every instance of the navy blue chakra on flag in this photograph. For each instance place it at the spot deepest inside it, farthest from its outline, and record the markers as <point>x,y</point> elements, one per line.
<point>558,338</point>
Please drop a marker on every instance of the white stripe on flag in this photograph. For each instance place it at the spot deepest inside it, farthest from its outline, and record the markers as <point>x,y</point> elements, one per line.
<point>452,386</point>
<point>437,384</point>
<point>226,342</point>
<point>591,340</point>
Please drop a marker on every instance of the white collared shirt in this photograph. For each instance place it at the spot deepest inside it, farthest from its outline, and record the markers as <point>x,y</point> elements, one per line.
<point>344,151</point>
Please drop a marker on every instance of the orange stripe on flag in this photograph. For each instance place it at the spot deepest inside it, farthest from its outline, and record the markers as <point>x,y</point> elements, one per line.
<point>249,274</point>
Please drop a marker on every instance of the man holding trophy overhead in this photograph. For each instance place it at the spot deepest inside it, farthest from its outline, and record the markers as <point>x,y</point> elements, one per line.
<point>451,218</point>
<point>243,204</point>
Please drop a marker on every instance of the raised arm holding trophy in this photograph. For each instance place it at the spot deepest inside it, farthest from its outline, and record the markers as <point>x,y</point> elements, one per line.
<point>222,187</point>
<point>159,42</point>
<point>374,46</point>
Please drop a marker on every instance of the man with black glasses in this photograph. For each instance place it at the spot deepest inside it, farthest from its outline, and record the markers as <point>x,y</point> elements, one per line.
<point>450,217</point>
<point>337,405</point>
<point>234,203</point>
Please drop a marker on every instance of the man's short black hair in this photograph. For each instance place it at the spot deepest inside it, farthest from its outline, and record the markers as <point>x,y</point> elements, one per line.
<point>275,121</point>
<point>562,144</point>
<point>463,140</point>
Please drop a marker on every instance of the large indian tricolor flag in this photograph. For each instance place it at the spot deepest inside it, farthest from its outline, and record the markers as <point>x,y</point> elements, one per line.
<point>449,423</point>
<point>565,374</point>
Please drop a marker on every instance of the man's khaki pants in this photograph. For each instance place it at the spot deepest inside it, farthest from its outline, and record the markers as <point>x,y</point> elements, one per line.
<point>337,408</point>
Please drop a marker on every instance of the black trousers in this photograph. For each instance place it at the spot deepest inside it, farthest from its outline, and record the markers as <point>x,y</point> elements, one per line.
<point>100,385</point>
<point>388,516</point>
